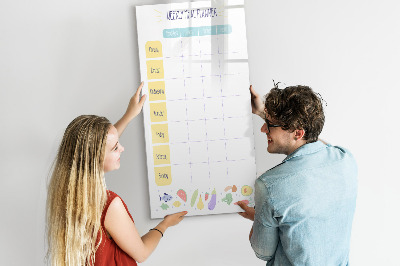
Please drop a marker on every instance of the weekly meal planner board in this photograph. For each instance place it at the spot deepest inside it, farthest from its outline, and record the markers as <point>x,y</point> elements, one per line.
<point>197,117</point>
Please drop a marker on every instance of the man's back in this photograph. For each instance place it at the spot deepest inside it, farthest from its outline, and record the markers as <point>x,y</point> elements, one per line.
<point>307,205</point>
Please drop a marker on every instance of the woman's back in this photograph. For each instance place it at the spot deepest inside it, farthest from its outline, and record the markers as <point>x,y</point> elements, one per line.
<point>108,253</point>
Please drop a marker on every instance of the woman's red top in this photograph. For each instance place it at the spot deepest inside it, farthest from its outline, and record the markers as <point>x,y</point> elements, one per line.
<point>108,253</point>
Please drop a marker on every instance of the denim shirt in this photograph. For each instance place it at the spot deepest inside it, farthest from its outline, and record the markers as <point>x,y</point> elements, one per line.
<point>305,207</point>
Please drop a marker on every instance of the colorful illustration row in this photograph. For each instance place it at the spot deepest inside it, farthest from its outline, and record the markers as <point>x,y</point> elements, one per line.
<point>228,199</point>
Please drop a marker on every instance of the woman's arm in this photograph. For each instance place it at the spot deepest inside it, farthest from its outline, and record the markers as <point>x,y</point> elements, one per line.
<point>134,107</point>
<point>122,229</point>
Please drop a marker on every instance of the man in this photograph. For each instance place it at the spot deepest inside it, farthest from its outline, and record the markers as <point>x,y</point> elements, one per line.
<point>304,206</point>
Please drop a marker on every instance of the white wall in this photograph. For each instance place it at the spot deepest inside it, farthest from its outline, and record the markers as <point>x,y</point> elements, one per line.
<point>60,59</point>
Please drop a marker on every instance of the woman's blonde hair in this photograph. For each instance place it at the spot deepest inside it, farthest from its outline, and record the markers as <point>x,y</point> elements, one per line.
<point>77,193</point>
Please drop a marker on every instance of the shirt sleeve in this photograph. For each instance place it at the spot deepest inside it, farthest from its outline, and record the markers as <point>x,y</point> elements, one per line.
<point>264,239</point>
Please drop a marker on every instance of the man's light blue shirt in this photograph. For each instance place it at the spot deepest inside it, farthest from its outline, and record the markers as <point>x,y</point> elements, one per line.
<point>305,208</point>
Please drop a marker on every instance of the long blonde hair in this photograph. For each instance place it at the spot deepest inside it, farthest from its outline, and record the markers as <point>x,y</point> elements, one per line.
<point>77,193</point>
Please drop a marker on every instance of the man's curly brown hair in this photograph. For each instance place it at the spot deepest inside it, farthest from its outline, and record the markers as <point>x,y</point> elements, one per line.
<point>297,107</point>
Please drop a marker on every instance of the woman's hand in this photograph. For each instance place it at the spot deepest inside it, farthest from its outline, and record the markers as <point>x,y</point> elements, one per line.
<point>174,219</point>
<point>135,104</point>
<point>134,107</point>
<point>257,105</point>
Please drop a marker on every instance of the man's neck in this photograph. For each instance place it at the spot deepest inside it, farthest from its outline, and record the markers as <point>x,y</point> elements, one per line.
<point>297,145</point>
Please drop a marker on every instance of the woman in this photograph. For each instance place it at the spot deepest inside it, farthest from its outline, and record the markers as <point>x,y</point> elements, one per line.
<point>87,224</point>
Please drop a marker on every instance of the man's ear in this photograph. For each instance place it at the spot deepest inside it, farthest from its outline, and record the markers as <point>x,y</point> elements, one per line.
<point>299,134</point>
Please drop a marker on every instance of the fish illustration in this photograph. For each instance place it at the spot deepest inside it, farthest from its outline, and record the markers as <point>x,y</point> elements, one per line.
<point>166,197</point>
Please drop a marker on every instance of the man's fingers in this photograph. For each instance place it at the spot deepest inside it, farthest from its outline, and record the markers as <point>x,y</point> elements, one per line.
<point>243,214</point>
<point>253,92</point>
<point>243,205</point>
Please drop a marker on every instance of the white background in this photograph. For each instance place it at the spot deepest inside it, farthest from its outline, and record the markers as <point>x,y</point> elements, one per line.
<point>60,59</point>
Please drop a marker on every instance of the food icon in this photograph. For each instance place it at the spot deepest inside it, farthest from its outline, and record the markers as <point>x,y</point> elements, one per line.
<point>228,199</point>
<point>164,206</point>
<point>194,197</point>
<point>166,197</point>
<point>176,204</point>
<point>200,204</point>
<point>182,194</point>
<point>247,190</point>
<point>213,201</point>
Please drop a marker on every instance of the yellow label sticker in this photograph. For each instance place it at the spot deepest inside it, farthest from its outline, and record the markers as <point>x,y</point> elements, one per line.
<point>153,49</point>
<point>161,154</point>
<point>158,112</point>
<point>163,175</point>
<point>155,69</point>
<point>160,133</point>
<point>156,91</point>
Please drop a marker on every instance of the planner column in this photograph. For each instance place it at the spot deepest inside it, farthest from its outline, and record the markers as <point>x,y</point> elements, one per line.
<point>158,113</point>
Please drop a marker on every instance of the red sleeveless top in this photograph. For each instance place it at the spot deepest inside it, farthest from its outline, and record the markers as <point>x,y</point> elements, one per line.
<point>108,253</point>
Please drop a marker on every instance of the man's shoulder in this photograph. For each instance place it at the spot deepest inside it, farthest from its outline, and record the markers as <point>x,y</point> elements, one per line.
<point>275,174</point>
<point>302,164</point>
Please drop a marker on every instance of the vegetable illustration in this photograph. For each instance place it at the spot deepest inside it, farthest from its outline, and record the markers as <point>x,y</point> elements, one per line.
<point>164,206</point>
<point>182,194</point>
<point>234,188</point>
<point>247,190</point>
<point>206,196</point>
<point>177,204</point>
<point>200,204</point>
<point>213,201</point>
<point>194,197</point>
<point>228,199</point>
<point>228,188</point>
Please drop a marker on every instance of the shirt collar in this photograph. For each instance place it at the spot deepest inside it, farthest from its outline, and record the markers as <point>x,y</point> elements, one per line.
<point>306,149</point>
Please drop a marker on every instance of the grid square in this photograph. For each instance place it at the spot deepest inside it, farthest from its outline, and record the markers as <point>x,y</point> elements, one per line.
<point>216,151</point>
<point>238,149</point>
<point>212,86</point>
<point>199,174</point>
<point>174,89</point>
<point>180,174</point>
<point>171,48</point>
<point>196,45</point>
<point>218,171</point>
<point>238,69</point>
<point>194,88</point>
<point>179,152</point>
<point>190,47</point>
<point>240,127</point>
<point>235,85</point>
<point>195,109</point>
<point>209,45</point>
<point>197,130</point>
<point>192,67</point>
<point>176,110</point>
<point>233,45</point>
<point>215,129</point>
<point>213,108</point>
<point>198,152</point>
<point>173,68</point>
<point>237,106</point>
<point>178,132</point>
<point>241,170</point>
